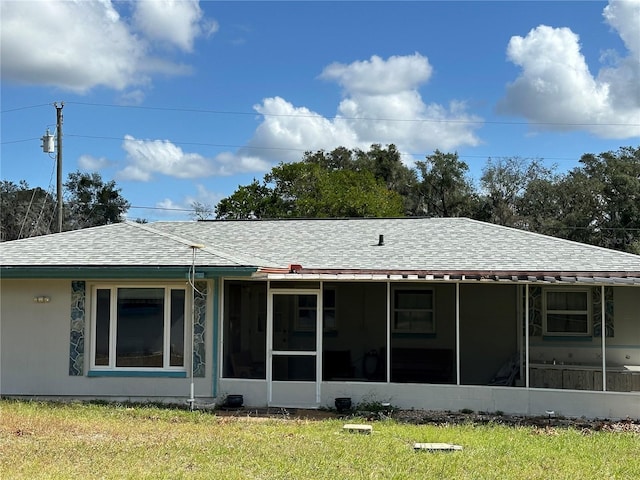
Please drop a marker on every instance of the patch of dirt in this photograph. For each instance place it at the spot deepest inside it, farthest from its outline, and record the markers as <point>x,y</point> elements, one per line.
<point>542,424</point>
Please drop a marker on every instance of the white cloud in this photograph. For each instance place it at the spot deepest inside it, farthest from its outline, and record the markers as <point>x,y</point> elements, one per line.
<point>177,22</point>
<point>77,45</point>
<point>397,74</point>
<point>91,163</point>
<point>286,132</point>
<point>381,104</point>
<point>556,88</point>
<point>147,158</point>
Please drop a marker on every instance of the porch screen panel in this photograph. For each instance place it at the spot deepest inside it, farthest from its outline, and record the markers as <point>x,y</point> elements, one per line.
<point>140,329</point>
<point>244,329</point>
<point>354,332</point>
<point>294,368</point>
<point>294,322</point>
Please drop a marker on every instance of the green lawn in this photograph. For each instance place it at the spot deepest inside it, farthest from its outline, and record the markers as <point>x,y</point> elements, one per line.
<point>88,441</point>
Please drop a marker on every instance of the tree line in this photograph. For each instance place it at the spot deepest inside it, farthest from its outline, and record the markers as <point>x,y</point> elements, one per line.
<point>597,202</point>
<point>89,201</point>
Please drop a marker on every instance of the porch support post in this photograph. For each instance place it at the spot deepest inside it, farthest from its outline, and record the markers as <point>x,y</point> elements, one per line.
<point>457,333</point>
<point>603,324</point>
<point>217,336</point>
<point>269,352</point>
<point>319,329</point>
<point>387,360</point>
<point>526,334</point>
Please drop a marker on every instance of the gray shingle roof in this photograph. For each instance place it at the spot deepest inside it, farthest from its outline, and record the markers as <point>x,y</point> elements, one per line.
<point>410,244</point>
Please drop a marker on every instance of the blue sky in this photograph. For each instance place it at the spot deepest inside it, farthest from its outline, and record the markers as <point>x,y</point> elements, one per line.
<point>183,101</point>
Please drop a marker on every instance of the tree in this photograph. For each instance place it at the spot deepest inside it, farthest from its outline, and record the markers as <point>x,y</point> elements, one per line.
<point>445,190</point>
<point>346,193</point>
<point>386,165</point>
<point>596,203</point>
<point>251,201</point>
<point>24,211</point>
<point>91,202</point>
<point>504,183</point>
<point>613,181</point>
<point>201,211</point>
<point>334,184</point>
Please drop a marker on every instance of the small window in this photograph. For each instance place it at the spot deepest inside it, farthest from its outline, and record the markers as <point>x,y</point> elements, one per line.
<point>139,328</point>
<point>329,309</point>
<point>306,315</point>
<point>414,311</point>
<point>567,312</point>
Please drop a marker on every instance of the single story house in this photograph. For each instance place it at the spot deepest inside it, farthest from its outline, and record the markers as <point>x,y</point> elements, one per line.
<point>440,313</point>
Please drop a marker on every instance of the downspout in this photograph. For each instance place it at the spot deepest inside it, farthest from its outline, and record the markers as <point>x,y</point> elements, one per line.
<point>526,334</point>
<point>217,341</point>
<point>458,333</point>
<point>604,342</point>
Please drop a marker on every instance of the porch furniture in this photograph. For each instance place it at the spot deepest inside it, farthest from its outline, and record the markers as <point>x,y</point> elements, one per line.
<point>508,372</point>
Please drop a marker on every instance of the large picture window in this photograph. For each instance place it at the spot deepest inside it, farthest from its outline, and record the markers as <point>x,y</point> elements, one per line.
<point>139,327</point>
<point>567,312</point>
<point>413,311</point>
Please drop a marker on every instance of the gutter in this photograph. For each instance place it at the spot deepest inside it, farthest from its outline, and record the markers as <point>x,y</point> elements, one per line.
<point>103,272</point>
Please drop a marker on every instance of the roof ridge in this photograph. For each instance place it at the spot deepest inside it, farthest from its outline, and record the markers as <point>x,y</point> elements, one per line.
<point>223,254</point>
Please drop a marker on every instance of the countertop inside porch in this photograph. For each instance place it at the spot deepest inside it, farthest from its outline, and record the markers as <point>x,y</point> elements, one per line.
<point>586,366</point>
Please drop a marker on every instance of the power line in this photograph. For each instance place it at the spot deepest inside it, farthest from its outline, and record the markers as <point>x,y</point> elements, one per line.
<point>282,149</point>
<point>25,107</point>
<point>168,209</point>
<point>375,119</point>
<point>334,117</point>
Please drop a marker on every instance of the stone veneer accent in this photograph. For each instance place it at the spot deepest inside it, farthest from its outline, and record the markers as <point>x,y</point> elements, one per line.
<point>199,323</point>
<point>76,340</point>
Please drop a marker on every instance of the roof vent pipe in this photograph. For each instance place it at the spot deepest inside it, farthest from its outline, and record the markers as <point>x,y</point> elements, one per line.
<point>380,240</point>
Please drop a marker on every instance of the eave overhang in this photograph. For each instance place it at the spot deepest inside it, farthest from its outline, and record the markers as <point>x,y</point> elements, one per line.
<point>137,272</point>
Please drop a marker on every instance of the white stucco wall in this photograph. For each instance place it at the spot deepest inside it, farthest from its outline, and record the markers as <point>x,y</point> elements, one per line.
<point>34,361</point>
<point>34,350</point>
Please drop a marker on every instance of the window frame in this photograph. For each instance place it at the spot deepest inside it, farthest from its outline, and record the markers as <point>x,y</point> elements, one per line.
<point>546,311</point>
<point>407,289</point>
<point>113,328</point>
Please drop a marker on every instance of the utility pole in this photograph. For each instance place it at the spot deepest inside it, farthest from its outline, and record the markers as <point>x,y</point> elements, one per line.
<point>59,160</point>
<point>47,147</point>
